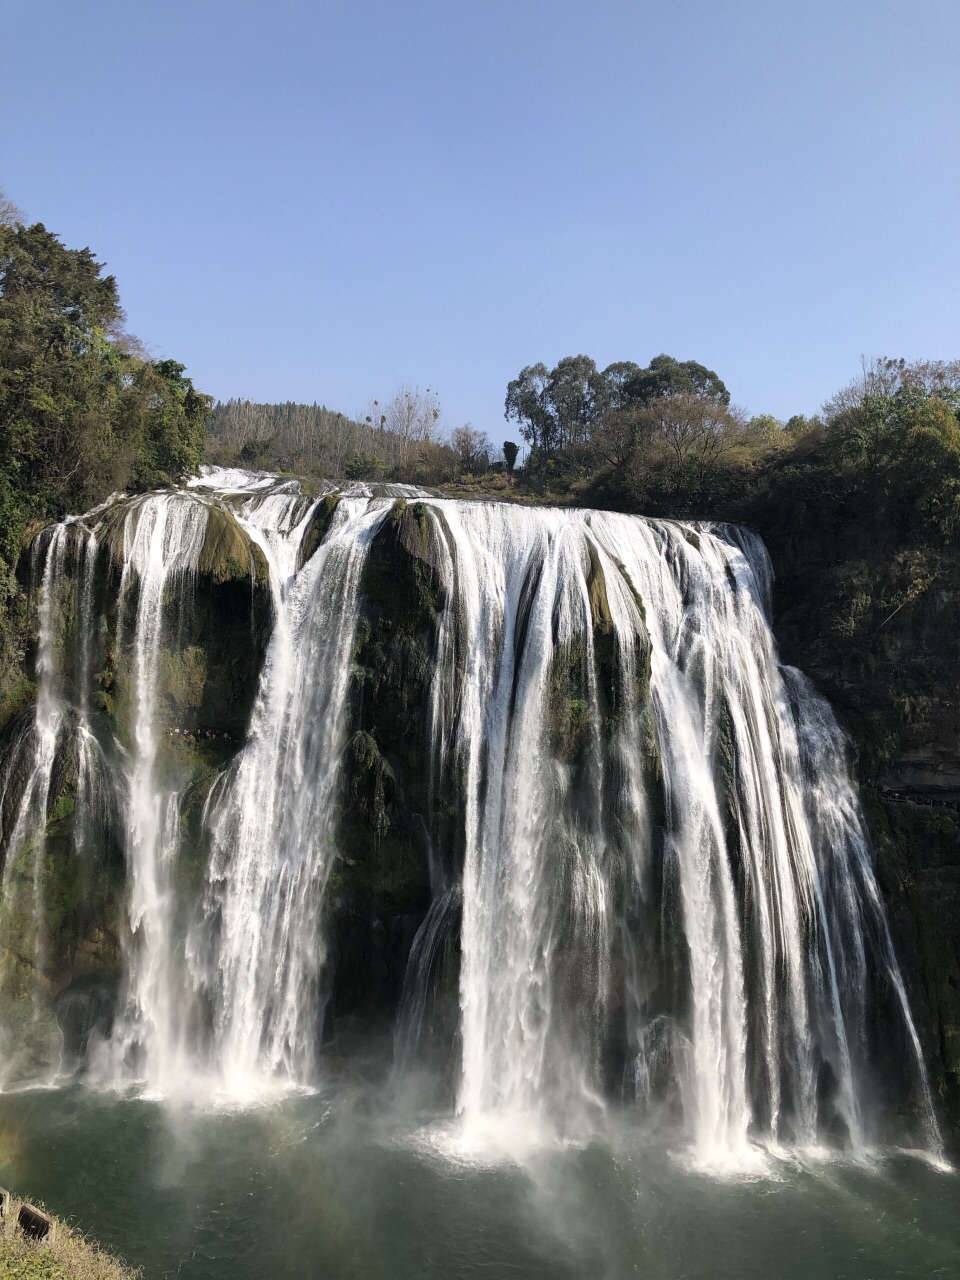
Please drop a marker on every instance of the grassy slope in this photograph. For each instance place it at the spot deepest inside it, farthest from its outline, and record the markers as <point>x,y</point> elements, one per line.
<point>70,1257</point>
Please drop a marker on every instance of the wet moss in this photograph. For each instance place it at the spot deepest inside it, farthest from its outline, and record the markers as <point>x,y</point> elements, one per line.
<point>71,928</point>
<point>597,592</point>
<point>569,711</point>
<point>400,585</point>
<point>183,676</point>
<point>318,527</point>
<point>380,885</point>
<point>206,763</point>
<point>228,555</point>
<point>16,696</point>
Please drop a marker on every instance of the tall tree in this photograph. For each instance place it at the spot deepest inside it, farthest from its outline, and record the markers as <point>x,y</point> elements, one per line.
<point>617,377</point>
<point>528,403</point>
<point>665,376</point>
<point>576,393</point>
<point>695,432</point>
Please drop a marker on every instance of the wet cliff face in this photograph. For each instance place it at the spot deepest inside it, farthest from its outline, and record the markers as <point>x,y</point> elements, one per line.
<point>395,816</point>
<point>880,635</point>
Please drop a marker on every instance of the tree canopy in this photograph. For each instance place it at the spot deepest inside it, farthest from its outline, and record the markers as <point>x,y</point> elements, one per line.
<point>559,408</point>
<point>82,411</point>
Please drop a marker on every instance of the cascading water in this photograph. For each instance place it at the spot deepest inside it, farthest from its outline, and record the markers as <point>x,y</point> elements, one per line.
<point>770,920</point>
<point>653,851</point>
<point>36,754</point>
<point>522,601</point>
<point>279,801</point>
<point>57,738</point>
<point>163,537</point>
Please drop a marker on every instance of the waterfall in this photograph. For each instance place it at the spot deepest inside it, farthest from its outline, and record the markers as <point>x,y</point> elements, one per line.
<point>56,738</point>
<point>36,751</point>
<point>163,536</point>
<point>763,861</point>
<point>652,885</point>
<point>271,823</point>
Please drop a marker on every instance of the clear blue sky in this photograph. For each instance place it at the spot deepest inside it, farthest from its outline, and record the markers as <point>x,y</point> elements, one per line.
<point>322,200</point>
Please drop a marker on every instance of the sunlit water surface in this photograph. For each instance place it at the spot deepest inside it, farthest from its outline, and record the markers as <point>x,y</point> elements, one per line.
<point>341,1186</point>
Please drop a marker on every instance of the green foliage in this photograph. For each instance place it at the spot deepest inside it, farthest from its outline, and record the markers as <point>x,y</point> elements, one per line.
<point>510,451</point>
<point>560,409</point>
<point>80,415</point>
<point>82,412</point>
<point>365,466</point>
<point>665,376</point>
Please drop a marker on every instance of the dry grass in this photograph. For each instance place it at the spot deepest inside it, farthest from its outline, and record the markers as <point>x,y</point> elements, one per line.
<point>70,1257</point>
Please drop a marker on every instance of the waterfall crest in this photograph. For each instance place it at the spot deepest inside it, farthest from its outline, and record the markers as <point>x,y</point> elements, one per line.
<point>650,872</point>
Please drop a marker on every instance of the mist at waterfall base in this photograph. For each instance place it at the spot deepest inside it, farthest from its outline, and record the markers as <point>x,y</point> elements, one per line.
<point>651,1019</point>
<point>331,1187</point>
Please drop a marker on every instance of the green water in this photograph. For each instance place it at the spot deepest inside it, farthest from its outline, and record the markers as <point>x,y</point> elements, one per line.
<point>331,1188</point>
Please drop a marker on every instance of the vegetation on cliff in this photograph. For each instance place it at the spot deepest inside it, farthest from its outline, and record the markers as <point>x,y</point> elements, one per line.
<point>84,411</point>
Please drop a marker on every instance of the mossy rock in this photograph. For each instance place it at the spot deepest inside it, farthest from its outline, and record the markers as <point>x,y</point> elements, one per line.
<point>228,554</point>
<point>597,591</point>
<point>82,872</point>
<point>317,528</point>
<point>110,529</point>
<point>380,887</point>
<point>400,582</point>
<point>183,676</point>
<point>568,708</point>
<point>20,694</point>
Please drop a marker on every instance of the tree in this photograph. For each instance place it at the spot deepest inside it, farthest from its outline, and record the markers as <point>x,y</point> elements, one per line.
<point>555,408</point>
<point>619,433</point>
<point>510,451</point>
<point>695,432</point>
<point>798,424</point>
<point>665,376</point>
<point>617,377</point>
<point>79,414</point>
<point>412,415</point>
<point>883,376</point>
<point>365,466</point>
<point>558,409</point>
<point>528,403</point>
<point>576,396</point>
<point>472,448</point>
<point>764,428</point>
<point>60,379</point>
<point>172,416</point>
<point>10,215</point>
